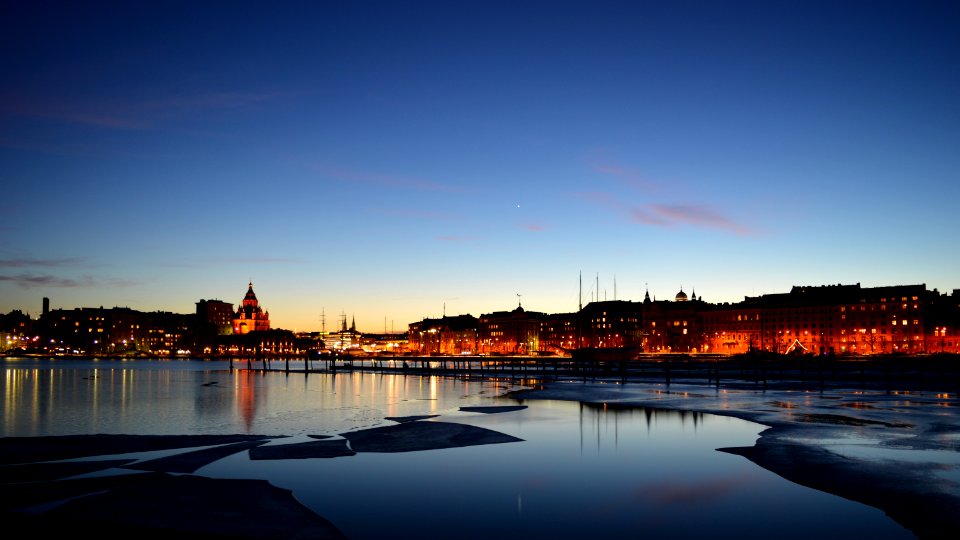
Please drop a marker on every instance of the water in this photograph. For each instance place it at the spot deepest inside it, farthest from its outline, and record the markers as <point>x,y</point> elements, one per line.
<point>579,471</point>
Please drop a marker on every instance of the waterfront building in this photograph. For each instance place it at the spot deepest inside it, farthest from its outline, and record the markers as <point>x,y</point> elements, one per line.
<point>17,331</point>
<point>510,332</point>
<point>216,314</point>
<point>166,333</point>
<point>561,333</point>
<point>214,318</point>
<point>92,331</point>
<point>454,335</point>
<point>673,327</point>
<point>825,319</point>
<point>250,317</point>
<point>612,324</point>
<point>846,319</point>
<point>385,344</point>
<point>732,328</point>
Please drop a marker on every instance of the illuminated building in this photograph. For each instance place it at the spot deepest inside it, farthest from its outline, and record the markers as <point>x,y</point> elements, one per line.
<point>611,324</point>
<point>673,327</point>
<point>561,332</point>
<point>510,332</point>
<point>250,317</point>
<point>446,335</point>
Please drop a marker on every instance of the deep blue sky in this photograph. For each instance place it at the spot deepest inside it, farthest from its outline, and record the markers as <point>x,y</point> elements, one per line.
<point>389,160</point>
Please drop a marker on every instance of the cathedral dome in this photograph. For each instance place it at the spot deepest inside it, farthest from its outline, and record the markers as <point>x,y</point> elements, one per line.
<point>681,296</point>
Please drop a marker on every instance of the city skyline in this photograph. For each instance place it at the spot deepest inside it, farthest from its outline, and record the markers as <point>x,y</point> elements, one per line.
<point>395,161</point>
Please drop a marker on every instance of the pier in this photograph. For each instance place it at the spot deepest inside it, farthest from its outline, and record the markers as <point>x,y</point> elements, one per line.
<point>901,372</point>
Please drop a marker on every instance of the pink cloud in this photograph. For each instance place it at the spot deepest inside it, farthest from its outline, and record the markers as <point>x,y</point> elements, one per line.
<point>533,227</point>
<point>600,160</point>
<point>639,215</point>
<point>699,216</point>
<point>666,215</point>
<point>632,178</point>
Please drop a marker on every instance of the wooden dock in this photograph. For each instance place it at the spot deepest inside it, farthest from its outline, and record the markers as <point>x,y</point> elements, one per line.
<point>940,372</point>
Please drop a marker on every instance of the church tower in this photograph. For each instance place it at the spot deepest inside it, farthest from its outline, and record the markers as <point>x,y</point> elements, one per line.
<point>250,317</point>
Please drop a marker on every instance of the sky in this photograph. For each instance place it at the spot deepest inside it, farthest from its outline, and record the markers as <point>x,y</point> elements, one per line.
<point>389,161</point>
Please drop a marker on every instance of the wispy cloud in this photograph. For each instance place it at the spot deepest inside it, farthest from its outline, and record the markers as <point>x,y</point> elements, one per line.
<point>601,198</point>
<point>533,227</point>
<point>31,280</point>
<point>456,238</point>
<point>670,215</point>
<point>126,114</point>
<point>700,216</point>
<point>260,260</point>
<point>630,177</point>
<point>418,214</point>
<point>47,263</point>
<point>214,100</point>
<point>388,180</point>
<point>639,215</point>
<point>111,116</point>
<point>205,262</point>
<point>602,160</point>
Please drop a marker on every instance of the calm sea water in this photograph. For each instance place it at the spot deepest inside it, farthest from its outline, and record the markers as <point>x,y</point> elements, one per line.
<point>579,471</point>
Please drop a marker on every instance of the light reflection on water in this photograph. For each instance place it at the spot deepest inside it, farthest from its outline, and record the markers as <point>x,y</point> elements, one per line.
<point>67,397</point>
<point>580,471</point>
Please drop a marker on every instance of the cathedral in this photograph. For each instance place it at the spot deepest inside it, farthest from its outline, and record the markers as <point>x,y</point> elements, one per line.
<point>250,317</point>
